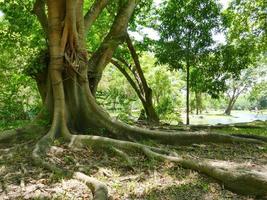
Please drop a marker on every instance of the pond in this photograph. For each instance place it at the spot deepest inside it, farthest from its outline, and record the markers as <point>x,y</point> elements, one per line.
<point>213,118</point>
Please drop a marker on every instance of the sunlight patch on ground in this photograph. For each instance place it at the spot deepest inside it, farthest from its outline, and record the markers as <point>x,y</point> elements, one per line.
<point>66,189</point>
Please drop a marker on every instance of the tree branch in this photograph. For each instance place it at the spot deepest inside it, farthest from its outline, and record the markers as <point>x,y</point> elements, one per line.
<point>136,62</point>
<point>115,37</point>
<point>133,71</point>
<point>93,13</point>
<point>39,11</point>
<point>128,77</point>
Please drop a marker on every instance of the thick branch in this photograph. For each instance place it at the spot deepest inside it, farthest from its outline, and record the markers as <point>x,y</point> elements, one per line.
<point>129,79</point>
<point>133,71</point>
<point>93,13</point>
<point>104,53</point>
<point>136,62</point>
<point>39,11</point>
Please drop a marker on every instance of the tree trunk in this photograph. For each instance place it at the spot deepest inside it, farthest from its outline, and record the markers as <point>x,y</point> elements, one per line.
<point>151,114</point>
<point>198,99</point>
<point>187,94</point>
<point>230,106</point>
<point>115,37</point>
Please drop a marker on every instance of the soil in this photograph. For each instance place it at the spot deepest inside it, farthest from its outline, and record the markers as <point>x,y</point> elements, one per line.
<point>144,179</point>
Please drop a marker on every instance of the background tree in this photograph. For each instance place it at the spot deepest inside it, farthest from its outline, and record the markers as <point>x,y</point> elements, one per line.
<point>185,34</point>
<point>237,86</point>
<point>258,95</point>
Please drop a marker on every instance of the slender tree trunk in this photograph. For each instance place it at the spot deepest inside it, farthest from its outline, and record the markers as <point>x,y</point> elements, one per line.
<point>151,114</point>
<point>230,106</point>
<point>198,100</point>
<point>187,93</point>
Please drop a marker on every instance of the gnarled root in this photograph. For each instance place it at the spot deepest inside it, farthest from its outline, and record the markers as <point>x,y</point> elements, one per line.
<point>14,133</point>
<point>99,189</point>
<point>39,152</point>
<point>257,137</point>
<point>180,138</point>
<point>237,177</point>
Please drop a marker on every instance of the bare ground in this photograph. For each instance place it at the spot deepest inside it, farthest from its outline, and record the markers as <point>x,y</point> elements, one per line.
<point>144,179</point>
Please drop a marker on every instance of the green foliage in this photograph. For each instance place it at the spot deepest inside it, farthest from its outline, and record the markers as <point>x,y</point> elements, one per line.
<point>37,64</point>
<point>117,96</point>
<point>185,31</point>
<point>165,86</point>
<point>246,23</point>
<point>258,95</point>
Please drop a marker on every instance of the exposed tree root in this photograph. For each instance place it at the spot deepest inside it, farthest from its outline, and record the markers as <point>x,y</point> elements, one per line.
<point>123,155</point>
<point>237,177</point>
<point>40,151</point>
<point>14,133</point>
<point>124,131</point>
<point>235,125</point>
<point>257,137</point>
<point>99,189</point>
<point>184,138</point>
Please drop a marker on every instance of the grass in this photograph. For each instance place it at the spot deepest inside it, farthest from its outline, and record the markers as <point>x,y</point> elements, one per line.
<point>260,128</point>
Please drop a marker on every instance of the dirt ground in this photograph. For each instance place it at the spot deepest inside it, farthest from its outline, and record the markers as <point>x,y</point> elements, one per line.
<point>144,180</point>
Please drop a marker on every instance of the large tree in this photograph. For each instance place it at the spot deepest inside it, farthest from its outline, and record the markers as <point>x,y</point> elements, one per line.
<point>72,106</point>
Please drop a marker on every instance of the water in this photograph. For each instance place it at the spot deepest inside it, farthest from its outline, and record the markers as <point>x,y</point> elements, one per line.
<point>217,118</point>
